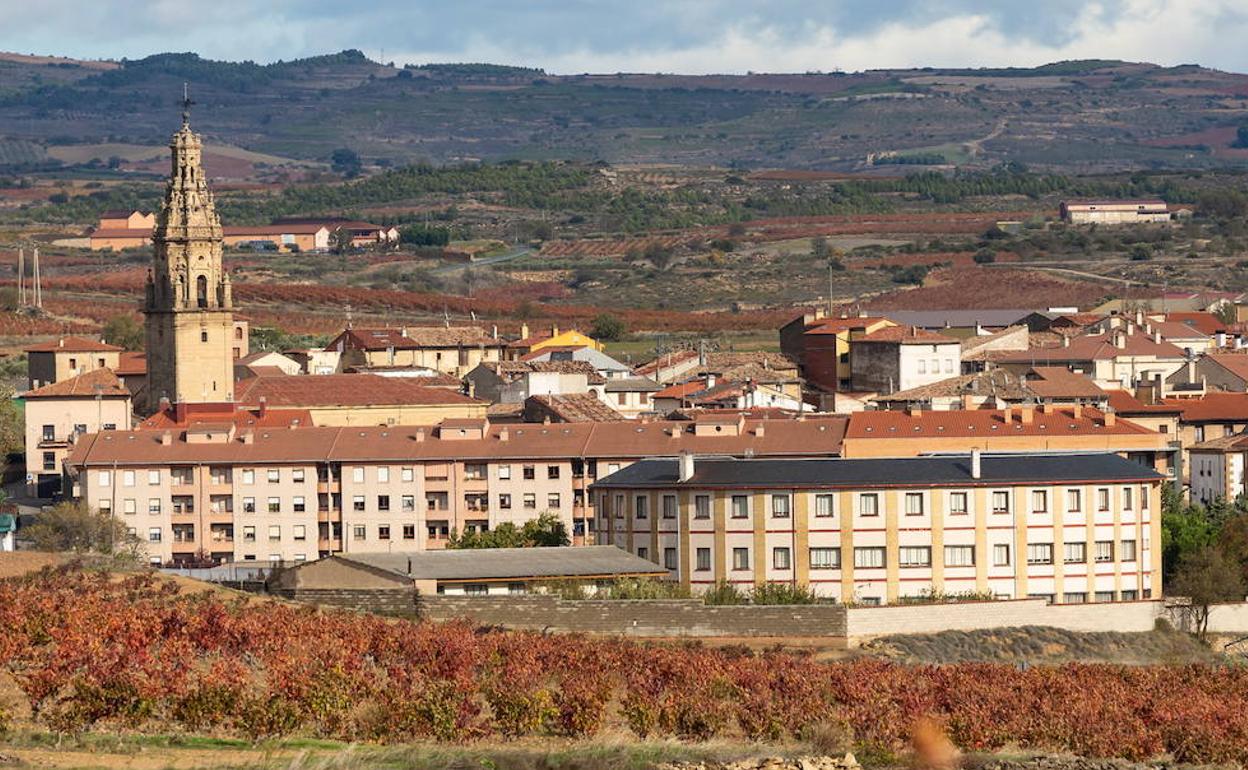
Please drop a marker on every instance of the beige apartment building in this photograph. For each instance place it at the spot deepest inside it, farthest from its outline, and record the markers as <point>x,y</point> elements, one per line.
<point>57,414</point>
<point>1069,528</point>
<point>230,491</point>
<point>66,357</point>
<point>454,350</point>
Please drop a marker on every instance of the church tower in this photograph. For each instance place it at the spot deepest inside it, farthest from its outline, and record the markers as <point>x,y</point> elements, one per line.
<point>189,307</point>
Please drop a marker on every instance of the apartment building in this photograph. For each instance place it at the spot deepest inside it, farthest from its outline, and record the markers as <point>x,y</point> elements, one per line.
<point>454,350</point>
<point>1119,358</point>
<point>900,358</point>
<point>1069,528</point>
<point>66,357</point>
<point>57,414</point>
<point>358,399</point>
<point>248,488</point>
<point>820,345</point>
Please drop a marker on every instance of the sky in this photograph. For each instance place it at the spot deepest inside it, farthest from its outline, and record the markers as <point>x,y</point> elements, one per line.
<point>674,36</point>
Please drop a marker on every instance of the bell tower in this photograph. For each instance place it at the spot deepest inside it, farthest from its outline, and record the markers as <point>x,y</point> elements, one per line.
<point>188,305</point>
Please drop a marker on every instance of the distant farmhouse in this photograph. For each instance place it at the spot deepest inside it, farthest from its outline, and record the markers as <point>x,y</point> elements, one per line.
<point>1115,212</point>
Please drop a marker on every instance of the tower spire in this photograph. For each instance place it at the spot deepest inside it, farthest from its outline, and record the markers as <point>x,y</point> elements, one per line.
<point>186,104</point>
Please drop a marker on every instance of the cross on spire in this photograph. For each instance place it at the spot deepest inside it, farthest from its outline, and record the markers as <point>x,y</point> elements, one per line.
<point>186,104</point>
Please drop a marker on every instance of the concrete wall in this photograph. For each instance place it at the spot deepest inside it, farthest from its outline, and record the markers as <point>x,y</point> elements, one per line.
<point>867,622</point>
<point>673,617</point>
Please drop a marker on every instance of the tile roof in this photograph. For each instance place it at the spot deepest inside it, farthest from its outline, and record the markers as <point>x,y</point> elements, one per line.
<point>510,563</point>
<point>513,370</point>
<point>664,361</point>
<point>1206,323</point>
<point>1090,347</point>
<point>101,382</point>
<point>994,382</point>
<point>906,335</point>
<point>1235,363</point>
<point>1211,407</point>
<point>1235,441</point>
<point>950,470</point>
<point>131,364</point>
<point>73,345</point>
<point>1060,420</point>
<point>1177,330</point>
<point>627,440</point>
<point>289,229</point>
<point>1126,403</point>
<point>1059,382</point>
<point>216,414</point>
<point>310,390</point>
<point>939,319</point>
<point>838,325</point>
<point>631,384</point>
<point>415,337</point>
<point>575,407</point>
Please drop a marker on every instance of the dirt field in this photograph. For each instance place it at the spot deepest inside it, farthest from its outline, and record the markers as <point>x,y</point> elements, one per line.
<point>20,562</point>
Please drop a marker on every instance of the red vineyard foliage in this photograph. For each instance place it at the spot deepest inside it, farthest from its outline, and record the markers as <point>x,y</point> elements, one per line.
<point>92,651</point>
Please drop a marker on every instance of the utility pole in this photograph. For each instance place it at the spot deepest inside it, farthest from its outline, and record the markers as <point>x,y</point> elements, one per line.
<point>21,277</point>
<point>831,274</point>
<point>37,282</point>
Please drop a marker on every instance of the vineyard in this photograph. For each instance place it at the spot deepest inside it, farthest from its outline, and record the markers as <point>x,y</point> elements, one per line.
<point>93,652</point>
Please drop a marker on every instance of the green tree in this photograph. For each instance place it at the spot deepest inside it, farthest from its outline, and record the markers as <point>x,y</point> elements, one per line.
<point>985,257</point>
<point>608,328</point>
<point>1227,313</point>
<point>820,248</point>
<point>340,241</point>
<point>8,299</point>
<point>1141,252</point>
<point>1241,137</point>
<point>345,161</point>
<point>1207,577</point>
<point>546,531</point>
<point>658,255</point>
<point>124,331</point>
<point>73,526</point>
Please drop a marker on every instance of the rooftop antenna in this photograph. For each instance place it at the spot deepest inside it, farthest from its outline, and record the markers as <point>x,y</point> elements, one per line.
<point>186,104</point>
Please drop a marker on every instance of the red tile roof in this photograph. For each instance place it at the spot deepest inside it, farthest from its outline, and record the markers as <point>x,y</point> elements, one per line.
<point>122,232</point>
<point>414,337</point>
<point>239,416</point>
<point>72,345</point>
<point>131,364</point>
<point>1058,382</point>
<point>969,423</point>
<point>1212,407</point>
<point>906,335</point>
<point>1090,347</point>
<point>1235,363</point>
<point>1207,323</point>
<point>311,390</point>
<point>572,407</point>
<point>96,382</point>
<point>837,325</point>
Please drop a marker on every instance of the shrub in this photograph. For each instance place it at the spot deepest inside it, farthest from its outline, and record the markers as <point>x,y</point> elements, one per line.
<point>724,593</point>
<point>782,593</point>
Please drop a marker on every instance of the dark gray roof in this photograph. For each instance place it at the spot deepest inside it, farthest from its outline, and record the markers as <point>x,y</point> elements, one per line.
<point>510,563</point>
<point>939,319</point>
<point>945,470</point>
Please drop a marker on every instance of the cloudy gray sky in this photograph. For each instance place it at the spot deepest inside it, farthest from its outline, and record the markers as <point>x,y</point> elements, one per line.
<point>687,36</point>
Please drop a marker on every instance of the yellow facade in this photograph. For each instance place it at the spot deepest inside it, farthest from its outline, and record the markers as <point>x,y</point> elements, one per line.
<point>570,339</point>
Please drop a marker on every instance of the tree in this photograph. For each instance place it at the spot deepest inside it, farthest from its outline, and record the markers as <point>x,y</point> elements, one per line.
<point>345,161</point>
<point>1141,252</point>
<point>546,531</point>
<point>820,248</point>
<point>9,299</point>
<point>1227,313</point>
<point>985,257</point>
<point>1207,577</point>
<point>73,526</point>
<point>124,331</point>
<point>607,328</point>
<point>1241,137</point>
<point>658,255</point>
<point>341,241</point>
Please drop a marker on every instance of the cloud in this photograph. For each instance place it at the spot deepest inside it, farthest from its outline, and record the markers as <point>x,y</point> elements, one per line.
<point>691,36</point>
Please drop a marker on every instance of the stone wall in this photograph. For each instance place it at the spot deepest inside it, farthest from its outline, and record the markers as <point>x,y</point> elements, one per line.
<point>868,622</point>
<point>643,618</point>
<point>387,601</point>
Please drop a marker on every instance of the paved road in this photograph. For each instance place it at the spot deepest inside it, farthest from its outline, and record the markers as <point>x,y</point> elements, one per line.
<point>514,253</point>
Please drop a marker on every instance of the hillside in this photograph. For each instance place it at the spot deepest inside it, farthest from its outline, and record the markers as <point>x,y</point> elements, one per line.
<point>1073,116</point>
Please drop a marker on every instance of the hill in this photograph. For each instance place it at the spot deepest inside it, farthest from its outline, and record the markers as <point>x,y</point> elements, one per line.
<point>1074,116</point>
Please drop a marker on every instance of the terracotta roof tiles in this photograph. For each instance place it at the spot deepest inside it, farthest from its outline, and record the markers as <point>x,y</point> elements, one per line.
<point>87,385</point>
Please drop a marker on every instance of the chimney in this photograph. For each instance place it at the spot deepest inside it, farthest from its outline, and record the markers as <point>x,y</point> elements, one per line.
<point>1007,414</point>
<point>164,404</point>
<point>1119,339</point>
<point>1047,407</point>
<point>179,412</point>
<point>710,380</point>
<point>1076,411</point>
<point>1156,338</point>
<point>1191,370</point>
<point>1026,414</point>
<point>263,407</point>
<point>976,467</point>
<point>524,331</point>
<point>1065,341</point>
<point>759,430</point>
<point>1139,316</point>
<point>554,331</point>
<point>1111,417</point>
<point>686,466</point>
<point>420,434</point>
<point>166,438</point>
<point>504,434</point>
<point>60,343</point>
<point>914,410</point>
<point>249,436</point>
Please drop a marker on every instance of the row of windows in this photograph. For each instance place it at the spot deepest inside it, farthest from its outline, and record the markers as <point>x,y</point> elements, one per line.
<point>875,557</point>
<point>186,533</point>
<point>868,503</point>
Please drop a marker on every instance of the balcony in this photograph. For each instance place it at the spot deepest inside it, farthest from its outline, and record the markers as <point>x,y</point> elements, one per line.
<point>54,443</point>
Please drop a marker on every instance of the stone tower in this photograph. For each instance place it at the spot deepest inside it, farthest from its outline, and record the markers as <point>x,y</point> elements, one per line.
<point>189,308</point>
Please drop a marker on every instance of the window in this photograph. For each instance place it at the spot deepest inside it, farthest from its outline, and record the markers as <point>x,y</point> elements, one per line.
<point>669,558</point>
<point>1144,498</point>
<point>824,505</point>
<point>409,531</point>
<point>110,426</point>
<point>740,507</point>
<point>357,475</point>
<point>621,399</point>
<point>825,558</point>
<point>1039,501</point>
<point>357,503</point>
<point>153,535</point>
<point>129,505</point>
<point>274,475</point>
<point>249,476</point>
<point>1127,550</point>
<point>703,559</point>
<point>740,558</point>
<point>530,500</point>
<point>922,366</point>
<point>869,558</point>
<point>475,471</point>
<point>359,532</point>
<point>476,589</point>
<point>669,506</point>
<point>407,503</point>
<point>1102,499</point>
<point>504,472</point>
<point>959,556</point>
<point>1104,550</point>
<point>619,506</point>
<point>249,534</point>
<point>1075,553</point>
<point>153,477</point>
<point>408,474</point>
<point>948,366</point>
<point>1075,597</point>
<point>249,505</point>
<point>639,507</point>
<point>517,589</point>
<point>49,432</point>
<point>1001,555</point>
<point>153,505</point>
<point>275,533</point>
<point>299,504</point>
<point>383,474</point>
<point>781,558</point>
<point>1000,501</point>
<point>869,504</point>
<point>299,532</point>
<point>1129,595</point>
<point>80,428</point>
<point>105,505</point>
<point>552,471</point>
<point>383,502</point>
<point>529,473</point>
<point>643,552</point>
<point>915,556</point>
<point>702,507</point>
<point>297,475</point>
<point>1103,596</point>
<point>1073,500</point>
<point>1039,553</point>
<point>383,531</point>
<point>275,505</point>
<point>957,503</point>
<point>1128,498</point>
<point>504,502</point>
<point>780,506</point>
<point>914,503</point>
<point>203,302</point>
<point>49,461</point>
<point>552,501</point>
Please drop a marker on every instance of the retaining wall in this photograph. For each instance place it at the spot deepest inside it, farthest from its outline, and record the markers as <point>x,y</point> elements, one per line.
<point>388,601</point>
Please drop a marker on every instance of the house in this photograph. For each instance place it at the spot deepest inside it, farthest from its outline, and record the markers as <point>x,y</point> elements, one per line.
<point>554,338</point>
<point>280,237</point>
<point>131,369</point>
<point>1111,212</point>
<point>1114,359</point>
<point>630,397</point>
<point>901,357</point>
<point>710,392</point>
<point>256,483</point>
<point>359,399</point>
<point>468,572</point>
<point>363,234</point>
<point>980,351</point>
<point>127,219</point>
<point>1217,470</point>
<point>960,323</point>
<point>58,413</point>
<point>66,357</point>
<point>122,229</point>
<point>315,360</point>
<point>262,360</point>
<point>570,407</point>
<point>819,345</point>
<point>511,382</point>
<point>1216,371</point>
<point>604,364</point>
<point>996,388</point>
<point>455,350</point>
<point>1071,528</point>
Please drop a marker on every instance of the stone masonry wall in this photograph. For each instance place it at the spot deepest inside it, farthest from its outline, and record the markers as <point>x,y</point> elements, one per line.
<point>387,601</point>
<point>643,618</point>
